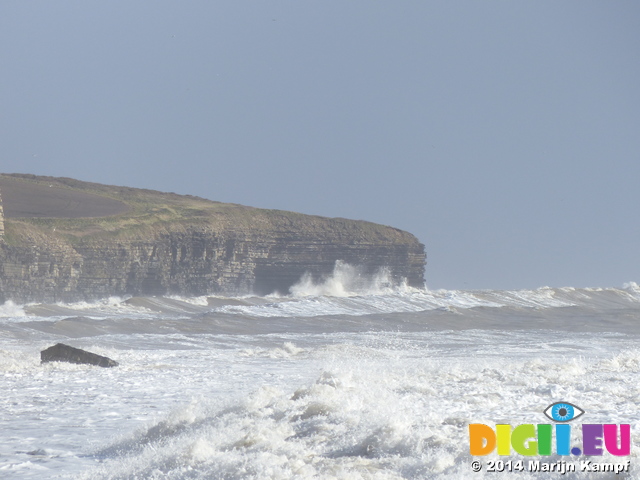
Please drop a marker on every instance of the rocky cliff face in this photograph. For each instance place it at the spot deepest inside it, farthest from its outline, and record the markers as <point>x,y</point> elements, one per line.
<point>1,219</point>
<point>170,244</point>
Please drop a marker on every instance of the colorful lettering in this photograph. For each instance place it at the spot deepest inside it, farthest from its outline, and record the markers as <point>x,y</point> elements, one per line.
<point>611,439</point>
<point>523,440</point>
<point>528,440</point>
<point>592,439</point>
<point>482,439</point>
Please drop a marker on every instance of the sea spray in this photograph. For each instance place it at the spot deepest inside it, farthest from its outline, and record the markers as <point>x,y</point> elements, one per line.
<point>362,386</point>
<point>348,280</point>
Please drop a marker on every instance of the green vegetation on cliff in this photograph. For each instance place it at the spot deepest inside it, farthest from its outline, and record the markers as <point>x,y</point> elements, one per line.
<point>150,212</point>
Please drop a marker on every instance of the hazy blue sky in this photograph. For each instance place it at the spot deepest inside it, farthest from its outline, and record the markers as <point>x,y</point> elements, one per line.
<point>504,134</point>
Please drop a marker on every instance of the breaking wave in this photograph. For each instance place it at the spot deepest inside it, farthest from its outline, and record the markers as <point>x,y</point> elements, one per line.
<point>352,377</point>
<point>10,309</point>
<point>375,419</point>
<point>347,281</point>
<point>349,291</point>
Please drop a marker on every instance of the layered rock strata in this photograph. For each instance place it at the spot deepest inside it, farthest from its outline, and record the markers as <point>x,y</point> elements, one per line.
<point>1,218</point>
<point>153,243</point>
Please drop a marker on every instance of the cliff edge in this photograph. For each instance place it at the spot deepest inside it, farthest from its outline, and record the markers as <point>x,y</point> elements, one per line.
<point>66,240</point>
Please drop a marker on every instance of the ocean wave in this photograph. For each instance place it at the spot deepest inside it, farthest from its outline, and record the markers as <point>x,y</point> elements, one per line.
<point>349,280</point>
<point>448,300</point>
<point>346,292</point>
<point>10,309</point>
<point>371,417</point>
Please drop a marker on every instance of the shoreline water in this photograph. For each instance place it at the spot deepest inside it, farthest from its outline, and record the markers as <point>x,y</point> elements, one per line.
<point>365,385</point>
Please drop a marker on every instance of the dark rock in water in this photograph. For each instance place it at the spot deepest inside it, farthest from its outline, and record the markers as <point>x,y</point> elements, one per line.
<point>64,353</point>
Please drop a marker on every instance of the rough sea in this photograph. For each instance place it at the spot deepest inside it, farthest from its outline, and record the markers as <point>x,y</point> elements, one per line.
<point>348,378</point>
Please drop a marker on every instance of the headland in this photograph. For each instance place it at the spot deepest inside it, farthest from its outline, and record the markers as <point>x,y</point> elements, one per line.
<point>66,240</point>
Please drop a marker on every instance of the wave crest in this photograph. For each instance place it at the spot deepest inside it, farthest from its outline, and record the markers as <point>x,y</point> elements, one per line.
<point>347,281</point>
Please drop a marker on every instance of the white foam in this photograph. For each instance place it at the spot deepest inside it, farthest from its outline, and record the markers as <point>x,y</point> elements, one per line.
<point>412,300</point>
<point>187,401</point>
<point>10,309</point>
<point>287,350</point>
<point>375,411</point>
<point>114,304</point>
<point>346,292</point>
<point>201,301</point>
<point>17,361</point>
<point>348,280</point>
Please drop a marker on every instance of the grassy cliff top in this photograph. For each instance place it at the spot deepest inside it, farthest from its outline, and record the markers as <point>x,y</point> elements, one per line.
<point>83,211</point>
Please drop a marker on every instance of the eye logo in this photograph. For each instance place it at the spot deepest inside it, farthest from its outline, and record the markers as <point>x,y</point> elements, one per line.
<point>563,412</point>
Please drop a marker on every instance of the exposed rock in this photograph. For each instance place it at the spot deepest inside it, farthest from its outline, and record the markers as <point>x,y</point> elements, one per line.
<point>168,244</point>
<point>64,353</point>
<point>1,218</point>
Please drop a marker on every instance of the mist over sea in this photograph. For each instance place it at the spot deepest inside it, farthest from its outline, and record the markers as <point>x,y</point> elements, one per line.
<point>351,377</point>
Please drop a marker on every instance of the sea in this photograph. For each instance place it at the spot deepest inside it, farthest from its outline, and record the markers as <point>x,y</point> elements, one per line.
<point>345,377</point>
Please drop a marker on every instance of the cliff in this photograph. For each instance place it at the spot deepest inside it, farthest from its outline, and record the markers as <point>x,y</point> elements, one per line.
<point>66,240</point>
<point>1,219</point>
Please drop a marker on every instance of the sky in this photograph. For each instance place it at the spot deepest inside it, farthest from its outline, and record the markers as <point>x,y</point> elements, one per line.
<point>505,135</point>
